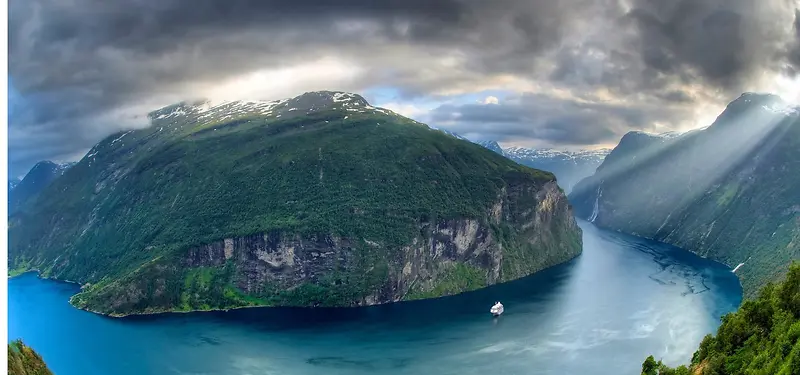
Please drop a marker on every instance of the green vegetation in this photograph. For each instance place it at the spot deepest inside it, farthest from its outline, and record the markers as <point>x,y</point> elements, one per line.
<point>727,194</point>
<point>22,360</point>
<point>761,338</point>
<point>459,277</point>
<point>123,218</point>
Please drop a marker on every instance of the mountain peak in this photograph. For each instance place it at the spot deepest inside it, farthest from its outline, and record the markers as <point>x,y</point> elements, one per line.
<point>329,98</point>
<point>44,164</point>
<point>751,95</point>
<point>305,103</point>
<point>49,167</point>
<point>758,107</point>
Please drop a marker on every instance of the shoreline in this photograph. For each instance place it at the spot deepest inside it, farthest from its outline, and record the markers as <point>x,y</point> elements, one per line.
<point>167,312</point>
<point>38,274</point>
<point>729,267</point>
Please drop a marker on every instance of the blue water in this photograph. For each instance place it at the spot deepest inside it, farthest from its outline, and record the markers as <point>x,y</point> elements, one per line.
<point>602,313</point>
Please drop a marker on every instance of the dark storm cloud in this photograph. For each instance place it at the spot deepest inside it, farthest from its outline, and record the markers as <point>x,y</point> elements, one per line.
<point>175,40</point>
<point>793,50</point>
<point>544,119</point>
<point>725,43</point>
<point>71,60</point>
<point>76,64</point>
<point>676,96</point>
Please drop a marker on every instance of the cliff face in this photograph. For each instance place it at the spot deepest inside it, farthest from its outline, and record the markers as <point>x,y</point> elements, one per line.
<point>320,200</point>
<point>728,192</point>
<point>529,228</point>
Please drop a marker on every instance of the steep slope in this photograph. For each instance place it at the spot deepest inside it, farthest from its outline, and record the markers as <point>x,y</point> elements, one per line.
<point>38,178</point>
<point>761,338</point>
<point>727,192</point>
<point>22,360</point>
<point>318,200</point>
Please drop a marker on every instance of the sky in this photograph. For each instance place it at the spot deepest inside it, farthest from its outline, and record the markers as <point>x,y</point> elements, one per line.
<point>537,73</point>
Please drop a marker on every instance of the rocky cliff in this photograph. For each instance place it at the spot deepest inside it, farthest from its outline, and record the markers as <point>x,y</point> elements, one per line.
<point>319,200</point>
<point>727,192</point>
<point>529,228</point>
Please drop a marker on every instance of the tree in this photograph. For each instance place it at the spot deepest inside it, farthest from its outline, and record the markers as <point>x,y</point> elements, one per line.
<point>650,366</point>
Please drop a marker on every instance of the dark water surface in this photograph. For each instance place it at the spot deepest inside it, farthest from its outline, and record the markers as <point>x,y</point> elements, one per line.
<point>602,313</point>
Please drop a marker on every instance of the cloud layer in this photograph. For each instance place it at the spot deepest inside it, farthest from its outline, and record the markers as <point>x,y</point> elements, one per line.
<point>578,72</point>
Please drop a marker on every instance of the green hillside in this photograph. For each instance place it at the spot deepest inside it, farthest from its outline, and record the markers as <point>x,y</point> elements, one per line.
<point>317,200</point>
<point>22,360</point>
<point>761,338</point>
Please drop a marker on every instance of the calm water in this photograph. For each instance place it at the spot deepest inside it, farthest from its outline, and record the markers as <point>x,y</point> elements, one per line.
<point>602,313</point>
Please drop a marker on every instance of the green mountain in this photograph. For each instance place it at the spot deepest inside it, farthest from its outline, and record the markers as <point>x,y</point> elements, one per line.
<point>762,338</point>
<point>728,192</point>
<point>318,200</point>
<point>22,360</point>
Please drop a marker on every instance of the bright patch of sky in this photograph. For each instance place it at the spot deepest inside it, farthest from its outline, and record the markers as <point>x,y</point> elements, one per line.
<point>419,107</point>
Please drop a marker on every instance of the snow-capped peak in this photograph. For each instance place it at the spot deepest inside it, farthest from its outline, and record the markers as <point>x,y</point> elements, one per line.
<point>302,104</point>
<point>548,153</point>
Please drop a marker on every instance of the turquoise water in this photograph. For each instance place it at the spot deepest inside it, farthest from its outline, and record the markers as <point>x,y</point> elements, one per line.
<point>602,313</point>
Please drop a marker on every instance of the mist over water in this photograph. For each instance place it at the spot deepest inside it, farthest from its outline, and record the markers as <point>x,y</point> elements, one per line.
<point>602,313</point>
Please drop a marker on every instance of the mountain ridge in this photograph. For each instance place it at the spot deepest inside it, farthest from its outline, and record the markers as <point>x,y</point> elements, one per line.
<point>724,192</point>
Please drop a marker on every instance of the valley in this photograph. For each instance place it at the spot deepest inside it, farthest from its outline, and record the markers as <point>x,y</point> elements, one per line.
<point>571,187</point>
<point>726,192</point>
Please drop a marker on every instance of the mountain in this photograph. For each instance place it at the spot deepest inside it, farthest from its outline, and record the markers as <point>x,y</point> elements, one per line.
<point>491,145</point>
<point>22,360</point>
<point>317,200</point>
<point>568,166</point>
<point>727,192</point>
<point>762,337</point>
<point>38,178</point>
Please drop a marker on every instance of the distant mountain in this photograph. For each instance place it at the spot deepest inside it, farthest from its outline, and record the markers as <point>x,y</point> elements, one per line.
<point>38,178</point>
<point>317,200</point>
<point>728,192</point>
<point>568,166</point>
